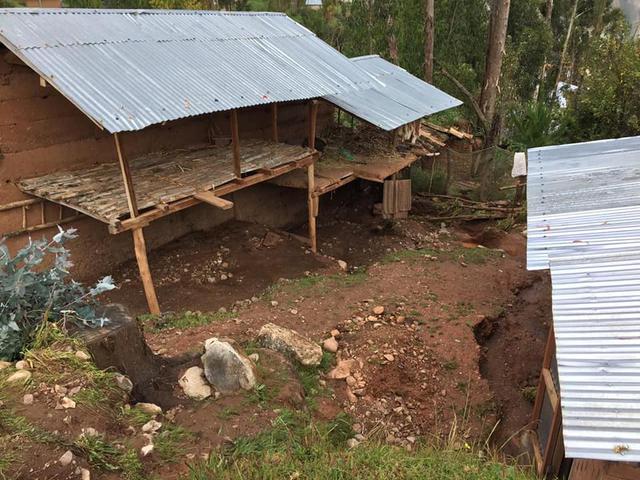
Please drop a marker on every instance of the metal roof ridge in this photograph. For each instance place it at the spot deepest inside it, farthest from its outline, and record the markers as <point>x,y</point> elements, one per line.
<point>137,11</point>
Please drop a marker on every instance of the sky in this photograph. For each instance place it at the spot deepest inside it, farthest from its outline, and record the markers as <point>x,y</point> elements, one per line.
<point>631,9</point>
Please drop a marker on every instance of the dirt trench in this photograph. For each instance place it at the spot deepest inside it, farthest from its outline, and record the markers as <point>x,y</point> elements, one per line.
<point>513,344</point>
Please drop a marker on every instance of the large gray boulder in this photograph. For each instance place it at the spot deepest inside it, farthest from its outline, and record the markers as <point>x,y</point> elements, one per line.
<point>290,343</point>
<point>226,369</point>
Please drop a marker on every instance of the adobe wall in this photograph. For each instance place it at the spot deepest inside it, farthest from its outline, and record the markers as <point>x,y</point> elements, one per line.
<point>42,132</point>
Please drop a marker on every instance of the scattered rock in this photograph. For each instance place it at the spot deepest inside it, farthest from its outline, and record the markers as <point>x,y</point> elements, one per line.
<point>351,381</point>
<point>22,365</point>
<point>293,311</point>
<point>194,384</point>
<point>147,449</point>
<point>352,443</point>
<point>343,265</point>
<point>4,365</point>
<point>254,357</point>
<point>291,343</point>
<point>66,459</point>
<point>274,303</point>
<point>89,432</point>
<point>66,403</point>
<point>152,426</point>
<point>124,383</point>
<point>351,396</point>
<point>28,399</point>
<point>330,345</point>
<point>21,376</point>
<point>378,310</point>
<point>60,390</point>
<point>388,357</point>
<point>149,408</point>
<point>83,355</point>
<point>271,239</point>
<point>335,333</point>
<point>85,474</point>
<point>342,370</point>
<point>226,369</point>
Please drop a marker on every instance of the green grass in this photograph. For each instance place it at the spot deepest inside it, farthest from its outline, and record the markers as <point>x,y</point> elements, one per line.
<point>530,393</point>
<point>410,255</point>
<point>169,442</point>
<point>184,320</point>
<point>297,447</point>
<point>470,256</point>
<point>318,284</point>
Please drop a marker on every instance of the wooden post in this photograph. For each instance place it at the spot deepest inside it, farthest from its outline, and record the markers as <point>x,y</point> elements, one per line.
<point>139,245</point>
<point>311,177</point>
<point>235,143</point>
<point>274,122</point>
<point>311,200</point>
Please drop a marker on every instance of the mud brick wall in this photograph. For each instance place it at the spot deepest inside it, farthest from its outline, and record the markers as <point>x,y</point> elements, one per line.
<point>42,132</point>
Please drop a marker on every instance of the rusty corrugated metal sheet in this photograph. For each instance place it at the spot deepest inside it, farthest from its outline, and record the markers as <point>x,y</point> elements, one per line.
<point>128,69</point>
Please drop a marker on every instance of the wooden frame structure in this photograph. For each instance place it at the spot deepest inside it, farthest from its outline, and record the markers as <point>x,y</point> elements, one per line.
<point>138,218</point>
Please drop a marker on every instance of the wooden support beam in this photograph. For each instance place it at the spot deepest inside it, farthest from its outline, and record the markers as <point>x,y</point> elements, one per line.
<point>42,226</point>
<point>313,121</point>
<point>212,199</point>
<point>311,201</point>
<point>274,122</point>
<point>43,82</point>
<point>19,203</point>
<point>235,144</point>
<point>139,244</point>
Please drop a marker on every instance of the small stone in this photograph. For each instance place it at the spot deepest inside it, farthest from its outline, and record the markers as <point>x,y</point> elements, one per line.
<point>28,399</point>
<point>66,403</point>
<point>66,459</point>
<point>22,365</point>
<point>223,277</point>
<point>147,449</point>
<point>293,311</point>
<point>226,369</point>
<point>352,443</point>
<point>400,319</point>
<point>4,365</point>
<point>194,385</point>
<point>351,396</point>
<point>388,357</point>
<point>21,376</point>
<point>335,333</point>
<point>89,432</point>
<point>149,408</point>
<point>411,439</point>
<point>60,390</point>
<point>254,357</point>
<point>124,383</point>
<point>357,427</point>
<point>342,370</point>
<point>378,310</point>
<point>290,342</point>
<point>85,474</point>
<point>359,437</point>
<point>152,426</point>
<point>330,345</point>
<point>351,381</point>
<point>343,265</point>
<point>274,303</point>
<point>83,355</point>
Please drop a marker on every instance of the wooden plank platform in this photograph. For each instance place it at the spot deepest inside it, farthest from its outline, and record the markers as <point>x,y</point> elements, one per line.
<point>162,179</point>
<point>333,173</point>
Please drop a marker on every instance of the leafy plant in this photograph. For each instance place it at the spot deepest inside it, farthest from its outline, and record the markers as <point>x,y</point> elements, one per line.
<point>35,287</point>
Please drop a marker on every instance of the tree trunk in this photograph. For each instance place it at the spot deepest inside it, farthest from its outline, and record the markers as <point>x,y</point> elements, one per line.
<point>565,48</point>
<point>543,71</point>
<point>428,40</point>
<point>495,55</point>
<point>548,12</point>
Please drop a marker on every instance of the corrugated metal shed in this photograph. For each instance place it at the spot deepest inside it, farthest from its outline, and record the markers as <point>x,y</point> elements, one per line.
<point>582,194</point>
<point>584,224</point>
<point>396,99</point>
<point>128,69</point>
<point>596,316</point>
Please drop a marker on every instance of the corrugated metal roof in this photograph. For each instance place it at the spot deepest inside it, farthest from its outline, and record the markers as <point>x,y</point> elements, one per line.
<point>596,315</point>
<point>396,99</point>
<point>584,224</point>
<point>128,69</point>
<point>586,193</point>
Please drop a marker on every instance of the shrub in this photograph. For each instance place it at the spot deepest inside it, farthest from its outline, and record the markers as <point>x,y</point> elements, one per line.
<point>35,287</point>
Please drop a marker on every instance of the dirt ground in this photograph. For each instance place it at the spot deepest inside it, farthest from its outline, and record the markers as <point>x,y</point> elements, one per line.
<point>458,344</point>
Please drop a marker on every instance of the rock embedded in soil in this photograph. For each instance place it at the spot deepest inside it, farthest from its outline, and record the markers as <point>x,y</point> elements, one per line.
<point>21,376</point>
<point>194,385</point>
<point>152,426</point>
<point>149,408</point>
<point>378,310</point>
<point>124,383</point>
<point>65,403</point>
<point>22,365</point>
<point>343,369</point>
<point>226,369</point>
<point>330,345</point>
<point>343,265</point>
<point>291,343</point>
<point>85,474</point>
<point>4,365</point>
<point>27,399</point>
<point>147,450</point>
<point>352,443</point>
<point>83,355</point>
<point>66,458</point>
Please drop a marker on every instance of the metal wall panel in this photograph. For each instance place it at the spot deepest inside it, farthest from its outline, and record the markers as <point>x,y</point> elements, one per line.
<point>129,69</point>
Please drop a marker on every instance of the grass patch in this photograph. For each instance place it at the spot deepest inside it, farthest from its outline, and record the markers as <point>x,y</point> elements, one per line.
<point>318,284</point>
<point>184,320</point>
<point>410,255</point>
<point>450,365</point>
<point>169,442</point>
<point>297,447</point>
<point>474,256</point>
<point>530,394</point>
